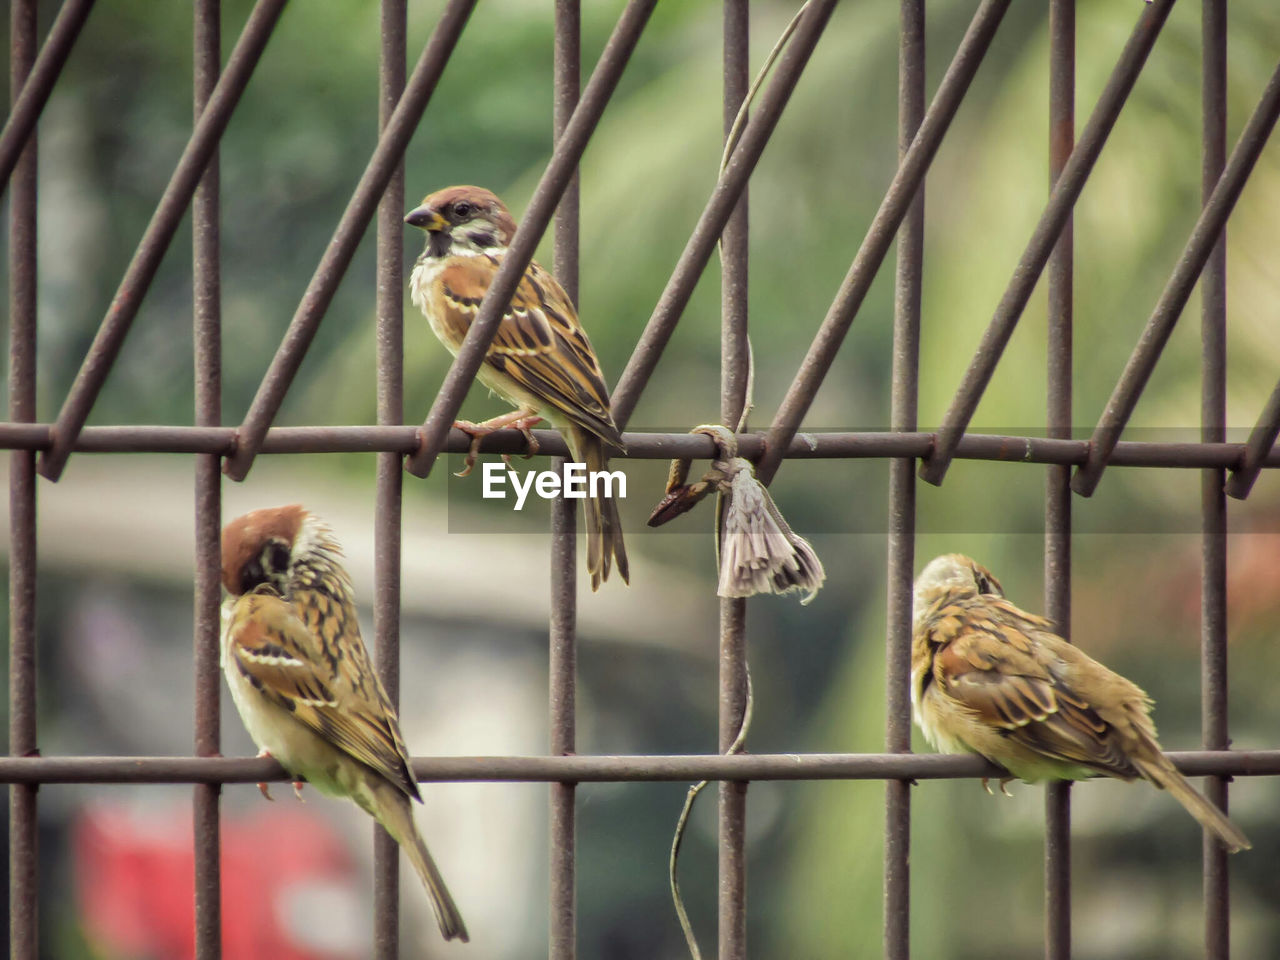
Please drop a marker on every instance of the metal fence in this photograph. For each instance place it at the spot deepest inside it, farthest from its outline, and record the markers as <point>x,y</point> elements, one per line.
<point>1226,468</point>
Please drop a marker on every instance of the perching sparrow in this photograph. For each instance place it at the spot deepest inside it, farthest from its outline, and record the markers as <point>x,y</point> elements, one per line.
<point>991,679</point>
<point>302,680</point>
<point>540,361</point>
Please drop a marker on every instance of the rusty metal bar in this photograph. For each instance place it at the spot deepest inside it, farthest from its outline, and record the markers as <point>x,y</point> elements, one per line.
<point>155,241</point>
<point>24,877</point>
<point>563,635</point>
<point>601,769</point>
<point>1061,201</point>
<point>1256,452</point>
<point>34,93</point>
<point>1204,236</point>
<point>1213,500</point>
<point>386,158</point>
<point>910,175</point>
<point>733,681</point>
<point>640,446</point>
<point>724,198</point>
<point>389,307</point>
<point>206,272</point>
<point>903,406</point>
<point>1057,505</point>
<point>555,179</point>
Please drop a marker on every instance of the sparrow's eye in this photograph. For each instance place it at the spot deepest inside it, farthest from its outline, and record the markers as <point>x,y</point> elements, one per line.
<point>275,557</point>
<point>462,209</point>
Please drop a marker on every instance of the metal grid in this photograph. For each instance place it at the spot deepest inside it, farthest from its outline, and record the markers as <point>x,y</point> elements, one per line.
<point>45,448</point>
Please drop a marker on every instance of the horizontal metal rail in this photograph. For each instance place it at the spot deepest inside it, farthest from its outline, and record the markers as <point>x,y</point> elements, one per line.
<point>640,446</point>
<point>598,769</point>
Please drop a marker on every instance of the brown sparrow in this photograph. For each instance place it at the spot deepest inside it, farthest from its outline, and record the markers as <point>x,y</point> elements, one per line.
<point>991,679</point>
<point>540,361</point>
<point>302,681</point>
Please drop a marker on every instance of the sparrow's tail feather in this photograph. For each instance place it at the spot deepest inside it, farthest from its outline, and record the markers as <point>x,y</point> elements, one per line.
<point>396,817</point>
<point>604,526</point>
<point>1160,771</point>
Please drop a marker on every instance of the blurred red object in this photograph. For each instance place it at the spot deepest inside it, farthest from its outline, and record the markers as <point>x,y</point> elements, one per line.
<point>288,883</point>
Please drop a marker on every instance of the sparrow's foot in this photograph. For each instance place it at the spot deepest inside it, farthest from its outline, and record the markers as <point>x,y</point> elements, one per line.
<point>297,790</point>
<point>1004,785</point>
<point>533,446</point>
<point>262,787</point>
<point>521,420</point>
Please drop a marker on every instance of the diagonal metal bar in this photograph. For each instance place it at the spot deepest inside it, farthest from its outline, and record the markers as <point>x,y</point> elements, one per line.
<point>722,203</point>
<point>1212,220</point>
<point>386,157</point>
<point>1061,201</point>
<point>35,92</point>
<point>155,241</point>
<point>875,245</point>
<point>1261,440</point>
<point>555,179</point>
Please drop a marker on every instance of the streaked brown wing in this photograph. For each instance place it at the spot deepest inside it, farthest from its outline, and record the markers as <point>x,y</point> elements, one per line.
<point>539,344</point>
<point>1007,679</point>
<point>336,694</point>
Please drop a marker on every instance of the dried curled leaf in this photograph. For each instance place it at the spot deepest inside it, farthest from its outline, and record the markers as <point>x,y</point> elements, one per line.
<point>759,552</point>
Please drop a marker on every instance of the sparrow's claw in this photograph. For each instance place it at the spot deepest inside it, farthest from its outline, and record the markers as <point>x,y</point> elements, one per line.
<point>297,790</point>
<point>529,438</point>
<point>1004,785</point>
<point>469,428</point>
<point>521,420</point>
<point>986,785</point>
<point>265,753</point>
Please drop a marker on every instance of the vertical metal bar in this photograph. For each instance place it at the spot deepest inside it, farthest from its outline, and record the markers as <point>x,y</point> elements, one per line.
<point>731,840</point>
<point>1213,500</point>
<point>389,301</point>
<point>1057,502</point>
<point>23,865</point>
<point>563,640</point>
<point>904,399</point>
<point>207,335</point>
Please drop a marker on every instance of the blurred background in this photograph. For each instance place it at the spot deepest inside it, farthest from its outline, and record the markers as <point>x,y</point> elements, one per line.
<point>115,606</point>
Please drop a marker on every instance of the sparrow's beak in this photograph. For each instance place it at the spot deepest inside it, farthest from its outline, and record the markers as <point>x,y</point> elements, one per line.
<point>427,219</point>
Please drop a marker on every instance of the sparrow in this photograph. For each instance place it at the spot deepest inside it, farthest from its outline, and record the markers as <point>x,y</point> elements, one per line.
<point>303,683</point>
<point>540,361</point>
<point>991,679</point>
